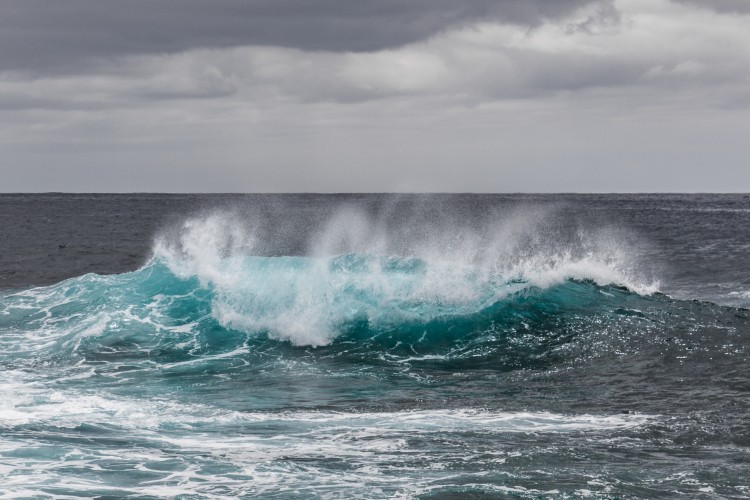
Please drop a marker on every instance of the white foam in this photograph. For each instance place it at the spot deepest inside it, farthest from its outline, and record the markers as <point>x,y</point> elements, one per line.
<point>456,270</point>
<point>202,248</point>
<point>24,401</point>
<point>197,449</point>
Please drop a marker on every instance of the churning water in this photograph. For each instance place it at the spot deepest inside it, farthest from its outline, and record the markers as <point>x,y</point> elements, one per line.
<point>375,346</point>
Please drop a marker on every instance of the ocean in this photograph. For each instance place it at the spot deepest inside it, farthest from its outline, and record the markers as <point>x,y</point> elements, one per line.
<point>374,346</point>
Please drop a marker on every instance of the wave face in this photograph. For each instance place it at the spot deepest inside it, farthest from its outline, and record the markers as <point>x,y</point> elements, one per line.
<point>354,275</point>
<point>206,283</point>
<point>380,302</point>
<point>410,361</point>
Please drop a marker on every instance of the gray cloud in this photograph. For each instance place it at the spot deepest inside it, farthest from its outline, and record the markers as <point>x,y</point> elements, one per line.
<point>341,95</point>
<point>597,48</point>
<point>41,36</point>
<point>737,6</point>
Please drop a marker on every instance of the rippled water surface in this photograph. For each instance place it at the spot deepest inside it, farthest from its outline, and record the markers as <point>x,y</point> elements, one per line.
<point>373,346</point>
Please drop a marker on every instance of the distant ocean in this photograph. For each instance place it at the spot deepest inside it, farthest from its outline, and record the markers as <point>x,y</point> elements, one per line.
<point>374,346</point>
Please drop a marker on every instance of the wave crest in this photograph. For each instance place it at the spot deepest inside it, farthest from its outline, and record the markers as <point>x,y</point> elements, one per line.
<point>356,269</point>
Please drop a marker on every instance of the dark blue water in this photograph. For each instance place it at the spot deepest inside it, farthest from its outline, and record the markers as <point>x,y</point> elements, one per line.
<point>374,346</point>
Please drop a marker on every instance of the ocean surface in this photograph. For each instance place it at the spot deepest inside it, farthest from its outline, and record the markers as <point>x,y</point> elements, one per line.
<point>374,346</point>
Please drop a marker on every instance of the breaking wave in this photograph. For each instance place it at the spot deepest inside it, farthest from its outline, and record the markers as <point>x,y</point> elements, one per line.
<point>403,356</point>
<point>207,284</point>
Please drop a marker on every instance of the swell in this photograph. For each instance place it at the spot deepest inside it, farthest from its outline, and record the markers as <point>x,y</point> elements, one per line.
<point>509,297</point>
<point>153,322</point>
<point>387,304</point>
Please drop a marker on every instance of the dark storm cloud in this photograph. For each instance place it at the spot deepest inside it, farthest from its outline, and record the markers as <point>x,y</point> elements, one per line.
<point>62,36</point>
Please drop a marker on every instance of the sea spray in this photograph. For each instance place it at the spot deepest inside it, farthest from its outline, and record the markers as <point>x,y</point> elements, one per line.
<point>356,270</point>
<point>415,348</point>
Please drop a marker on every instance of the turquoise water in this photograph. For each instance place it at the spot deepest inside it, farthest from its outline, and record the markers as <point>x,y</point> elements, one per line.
<point>552,370</point>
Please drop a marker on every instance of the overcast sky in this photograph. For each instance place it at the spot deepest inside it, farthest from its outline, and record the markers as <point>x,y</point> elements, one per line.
<point>375,95</point>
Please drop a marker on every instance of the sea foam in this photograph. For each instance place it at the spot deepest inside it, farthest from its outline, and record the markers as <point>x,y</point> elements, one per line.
<point>358,268</point>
